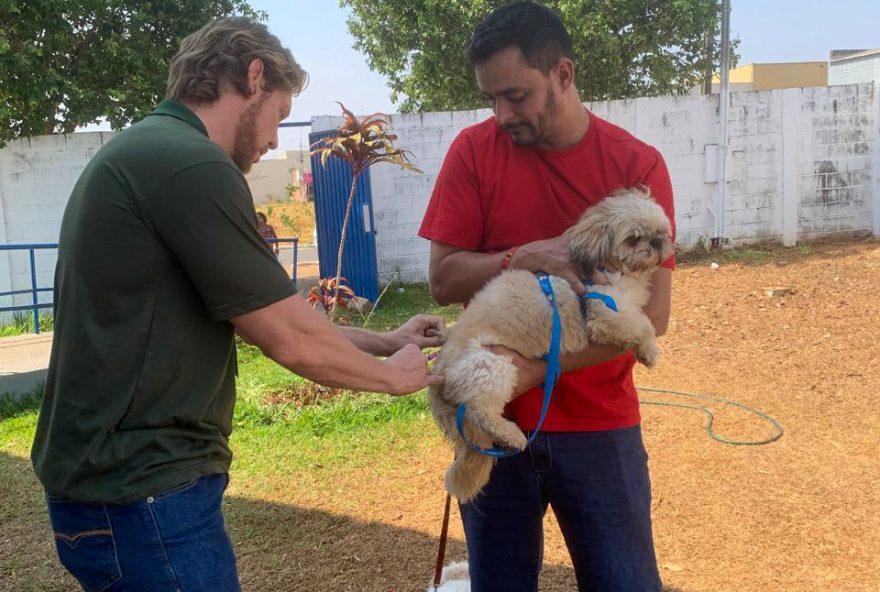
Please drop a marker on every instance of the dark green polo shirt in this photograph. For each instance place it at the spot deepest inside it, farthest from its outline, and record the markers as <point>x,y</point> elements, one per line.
<point>159,249</point>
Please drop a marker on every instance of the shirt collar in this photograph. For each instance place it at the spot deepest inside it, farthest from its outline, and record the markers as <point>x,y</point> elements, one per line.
<point>180,111</point>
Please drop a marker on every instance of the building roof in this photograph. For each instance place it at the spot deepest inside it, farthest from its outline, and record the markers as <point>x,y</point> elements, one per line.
<point>841,55</point>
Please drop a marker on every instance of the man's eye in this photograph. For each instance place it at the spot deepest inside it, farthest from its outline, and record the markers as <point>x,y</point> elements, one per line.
<point>517,98</point>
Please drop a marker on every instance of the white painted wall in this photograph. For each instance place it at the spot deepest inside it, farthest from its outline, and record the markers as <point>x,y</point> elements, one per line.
<point>854,70</point>
<point>36,178</point>
<point>803,164</point>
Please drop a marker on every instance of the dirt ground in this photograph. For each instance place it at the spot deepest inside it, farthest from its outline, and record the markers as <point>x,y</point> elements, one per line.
<point>796,515</point>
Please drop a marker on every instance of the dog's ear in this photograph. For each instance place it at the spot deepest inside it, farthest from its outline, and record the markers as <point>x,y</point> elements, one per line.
<point>590,241</point>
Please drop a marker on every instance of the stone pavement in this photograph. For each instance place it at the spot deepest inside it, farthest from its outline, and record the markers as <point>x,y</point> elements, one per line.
<point>23,362</point>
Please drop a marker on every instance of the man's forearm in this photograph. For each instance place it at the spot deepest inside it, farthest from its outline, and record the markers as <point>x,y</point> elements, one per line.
<point>460,275</point>
<point>292,334</point>
<point>376,344</point>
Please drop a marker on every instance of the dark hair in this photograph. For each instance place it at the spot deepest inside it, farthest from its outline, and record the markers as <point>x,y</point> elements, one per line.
<point>262,217</point>
<point>536,30</point>
<point>221,51</point>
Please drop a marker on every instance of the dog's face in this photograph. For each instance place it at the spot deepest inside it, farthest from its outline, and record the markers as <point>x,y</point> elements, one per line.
<point>627,232</point>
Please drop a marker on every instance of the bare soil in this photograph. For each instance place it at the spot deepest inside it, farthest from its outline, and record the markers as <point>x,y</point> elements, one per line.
<point>797,515</point>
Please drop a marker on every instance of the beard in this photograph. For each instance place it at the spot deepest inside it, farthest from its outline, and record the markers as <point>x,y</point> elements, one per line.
<point>245,146</point>
<point>526,133</point>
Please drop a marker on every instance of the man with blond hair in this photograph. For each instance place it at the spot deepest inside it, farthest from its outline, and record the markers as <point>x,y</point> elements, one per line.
<point>160,264</point>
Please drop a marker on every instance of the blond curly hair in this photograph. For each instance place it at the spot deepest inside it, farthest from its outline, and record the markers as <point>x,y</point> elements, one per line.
<point>220,52</point>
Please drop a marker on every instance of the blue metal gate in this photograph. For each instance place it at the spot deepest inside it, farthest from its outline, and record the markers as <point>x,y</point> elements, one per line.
<point>332,186</point>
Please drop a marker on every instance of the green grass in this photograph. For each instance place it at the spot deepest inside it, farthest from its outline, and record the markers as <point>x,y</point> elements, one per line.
<point>749,255</point>
<point>348,429</point>
<point>400,302</point>
<point>758,256</point>
<point>23,324</point>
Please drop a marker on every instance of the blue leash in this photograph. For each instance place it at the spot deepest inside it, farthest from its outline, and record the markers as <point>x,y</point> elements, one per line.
<point>554,370</point>
<point>550,377</point>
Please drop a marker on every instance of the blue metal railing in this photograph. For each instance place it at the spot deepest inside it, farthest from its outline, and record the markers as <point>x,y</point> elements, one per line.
<point>35,305</point>
<point>34,291</point>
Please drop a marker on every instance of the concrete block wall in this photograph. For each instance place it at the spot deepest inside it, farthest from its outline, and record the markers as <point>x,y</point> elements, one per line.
<point>802,164</point>
<point>854,70</point>
<point>838,168</point>
<point>36,178</point>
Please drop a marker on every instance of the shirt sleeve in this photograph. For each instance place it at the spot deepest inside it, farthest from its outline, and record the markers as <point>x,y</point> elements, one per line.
<point>206,218</point>
<point>454,215</point>
<point>655,177</point>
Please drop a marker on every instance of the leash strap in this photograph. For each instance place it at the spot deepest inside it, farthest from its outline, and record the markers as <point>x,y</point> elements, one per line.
<point>551,377</point>
<point>608,300</point>
<point>441,552</point>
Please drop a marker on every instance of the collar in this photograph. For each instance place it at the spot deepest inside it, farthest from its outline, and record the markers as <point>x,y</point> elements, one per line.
<point>178,110</point>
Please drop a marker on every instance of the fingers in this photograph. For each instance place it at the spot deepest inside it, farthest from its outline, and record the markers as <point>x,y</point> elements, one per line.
<point>575,282</point>
<point>435,379</point>
<point>599,278</point>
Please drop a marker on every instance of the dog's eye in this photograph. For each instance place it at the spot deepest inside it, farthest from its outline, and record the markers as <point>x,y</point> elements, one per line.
<point>633,240</point>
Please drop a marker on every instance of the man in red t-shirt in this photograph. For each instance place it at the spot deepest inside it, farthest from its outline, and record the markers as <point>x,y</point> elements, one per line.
<point>509,187</point>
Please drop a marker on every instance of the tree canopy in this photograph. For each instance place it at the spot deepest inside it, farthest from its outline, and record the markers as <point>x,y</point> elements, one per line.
<point>68,63</point>
<point>623,48</point>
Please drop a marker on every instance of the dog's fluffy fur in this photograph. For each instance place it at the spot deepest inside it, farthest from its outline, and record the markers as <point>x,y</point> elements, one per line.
<point>627,232</point>
<point>455,578</point>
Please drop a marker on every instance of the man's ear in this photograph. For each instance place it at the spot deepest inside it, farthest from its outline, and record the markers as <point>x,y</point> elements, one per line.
<point>564,72</point>
<point>255,76</point>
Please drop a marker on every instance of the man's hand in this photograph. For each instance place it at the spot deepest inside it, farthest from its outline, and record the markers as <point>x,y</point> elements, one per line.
<point>422,330</point>
<point>552,256</point>
<point>530,372</point>
<point>408,372</point>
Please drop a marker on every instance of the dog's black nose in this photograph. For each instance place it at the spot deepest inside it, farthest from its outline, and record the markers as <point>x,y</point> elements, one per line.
<point>656,243</point>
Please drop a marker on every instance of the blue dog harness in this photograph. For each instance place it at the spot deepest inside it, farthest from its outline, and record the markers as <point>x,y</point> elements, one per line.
<point>554,370</point>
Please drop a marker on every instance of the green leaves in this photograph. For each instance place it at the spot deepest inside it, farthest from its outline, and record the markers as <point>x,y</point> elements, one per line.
<point>623,48</point>
<point>68,63</point>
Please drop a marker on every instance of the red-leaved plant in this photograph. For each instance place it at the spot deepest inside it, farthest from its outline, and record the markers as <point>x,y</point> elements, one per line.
<point>361,143</point>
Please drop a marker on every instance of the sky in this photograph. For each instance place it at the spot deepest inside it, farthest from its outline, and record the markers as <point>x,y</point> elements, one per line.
<point>768,30</point>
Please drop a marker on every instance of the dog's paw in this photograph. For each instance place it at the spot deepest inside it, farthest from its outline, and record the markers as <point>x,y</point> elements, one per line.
<point>512,438</point>
<point>647,353</point>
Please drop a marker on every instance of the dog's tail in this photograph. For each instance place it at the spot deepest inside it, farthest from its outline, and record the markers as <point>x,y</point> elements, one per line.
<point>469,472</point>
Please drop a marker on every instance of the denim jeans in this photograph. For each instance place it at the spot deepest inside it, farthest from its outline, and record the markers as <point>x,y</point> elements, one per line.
<point>597,484</point>
<point>173,541</point>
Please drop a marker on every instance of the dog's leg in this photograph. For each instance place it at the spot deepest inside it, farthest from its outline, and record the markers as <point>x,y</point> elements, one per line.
<point>628,328</point>
<point>484,382</point>
<point>499,430</point>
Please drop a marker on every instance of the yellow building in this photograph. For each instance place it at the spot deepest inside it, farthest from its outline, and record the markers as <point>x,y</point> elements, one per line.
<point>771,76</point>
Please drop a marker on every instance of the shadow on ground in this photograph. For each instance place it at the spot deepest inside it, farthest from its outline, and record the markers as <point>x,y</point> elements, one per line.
<point>280,547</point>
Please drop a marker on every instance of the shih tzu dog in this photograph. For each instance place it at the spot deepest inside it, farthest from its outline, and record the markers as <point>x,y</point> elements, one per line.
<point>628,234</point>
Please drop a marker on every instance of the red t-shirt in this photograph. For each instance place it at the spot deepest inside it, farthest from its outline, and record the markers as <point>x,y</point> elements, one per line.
<point>492,194</point>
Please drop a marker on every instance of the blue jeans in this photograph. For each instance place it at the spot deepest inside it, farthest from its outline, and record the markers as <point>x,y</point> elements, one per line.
<point>173,541</point>
<point>598,486</point>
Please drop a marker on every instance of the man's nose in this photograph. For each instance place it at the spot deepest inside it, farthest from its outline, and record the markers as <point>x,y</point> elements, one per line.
<point>503,111</point>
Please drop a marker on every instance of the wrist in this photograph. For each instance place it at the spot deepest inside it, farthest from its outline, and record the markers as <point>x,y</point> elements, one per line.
<point>391,342</point>
<point>507,261</point>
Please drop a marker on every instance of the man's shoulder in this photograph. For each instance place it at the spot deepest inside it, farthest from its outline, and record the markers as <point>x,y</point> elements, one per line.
<point>620,141</point>
<point>486,130</point>
<point>158,148</point>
